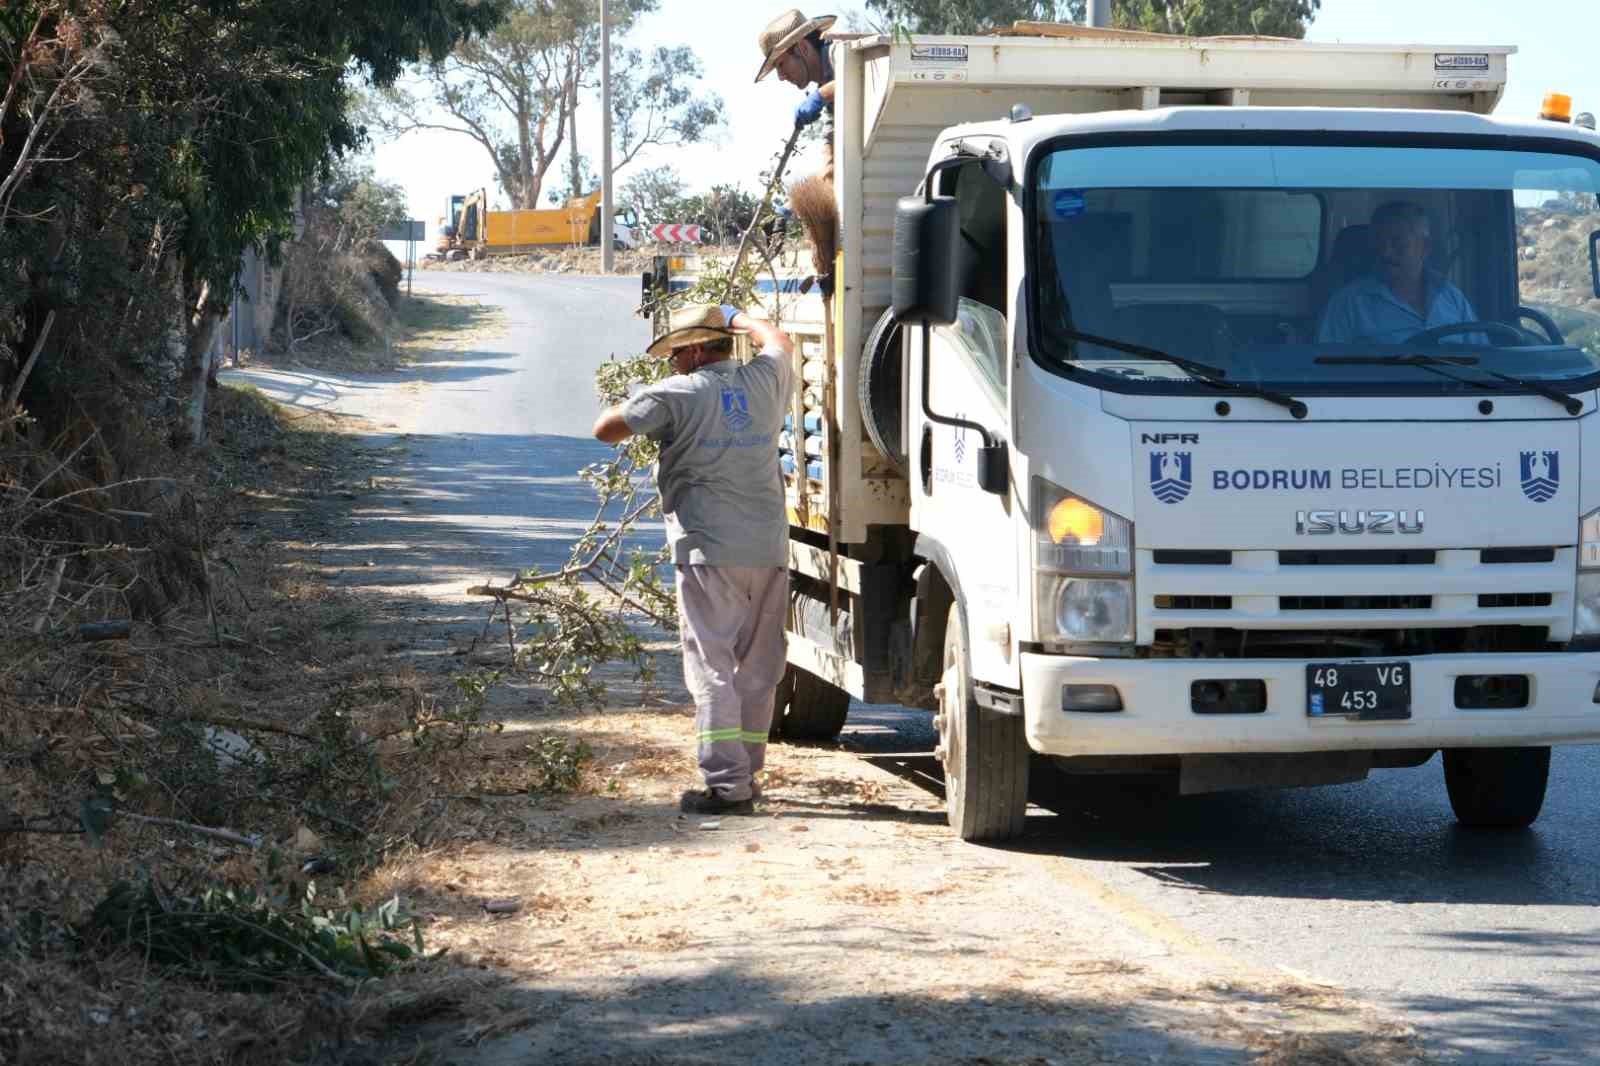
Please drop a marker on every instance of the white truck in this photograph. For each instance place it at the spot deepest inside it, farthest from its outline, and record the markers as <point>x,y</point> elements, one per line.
<point>1095,476</point>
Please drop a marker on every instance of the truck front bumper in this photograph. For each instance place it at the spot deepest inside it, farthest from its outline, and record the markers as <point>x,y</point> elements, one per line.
<point>1157,716</point>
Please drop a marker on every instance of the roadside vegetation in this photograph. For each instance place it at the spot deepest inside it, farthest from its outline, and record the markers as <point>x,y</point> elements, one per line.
<point>191,738</point>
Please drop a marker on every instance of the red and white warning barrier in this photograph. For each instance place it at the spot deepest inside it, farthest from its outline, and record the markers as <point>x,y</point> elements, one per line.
<point>676,234</point>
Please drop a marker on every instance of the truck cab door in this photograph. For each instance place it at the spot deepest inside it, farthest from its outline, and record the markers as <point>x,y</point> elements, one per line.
<point>968,371</point>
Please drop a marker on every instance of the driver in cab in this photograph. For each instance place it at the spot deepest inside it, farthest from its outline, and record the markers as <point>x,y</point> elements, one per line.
<point>1402,297</point>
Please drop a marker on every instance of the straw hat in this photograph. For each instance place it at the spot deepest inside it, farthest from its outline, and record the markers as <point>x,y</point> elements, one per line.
<point>694,324</point>
<point>784,32</point>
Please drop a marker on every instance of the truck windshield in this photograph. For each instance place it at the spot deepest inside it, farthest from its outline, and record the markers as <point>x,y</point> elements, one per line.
<point>1312,269</point>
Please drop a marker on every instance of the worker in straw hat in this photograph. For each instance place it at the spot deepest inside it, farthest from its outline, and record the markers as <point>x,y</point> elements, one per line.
<point>717,423</point>
<point>793,46</point>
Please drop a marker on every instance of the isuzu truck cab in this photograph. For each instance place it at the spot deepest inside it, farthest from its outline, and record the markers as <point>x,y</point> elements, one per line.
<point>1166,431</point>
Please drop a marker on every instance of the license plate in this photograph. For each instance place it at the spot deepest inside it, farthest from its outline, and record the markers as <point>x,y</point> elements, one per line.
<point>1369,691</point>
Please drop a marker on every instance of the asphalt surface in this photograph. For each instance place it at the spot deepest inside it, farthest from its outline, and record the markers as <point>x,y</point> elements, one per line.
<point>1488,943</point>
<point>494,437</point>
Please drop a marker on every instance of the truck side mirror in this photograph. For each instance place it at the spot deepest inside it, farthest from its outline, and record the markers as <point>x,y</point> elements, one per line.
<point>927,235</point>
<point>994,468</point>
<point>1594,260</point>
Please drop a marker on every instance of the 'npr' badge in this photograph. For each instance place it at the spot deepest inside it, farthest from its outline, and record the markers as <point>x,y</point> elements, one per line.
<point>1171,476</point>
<point>1541,475</point>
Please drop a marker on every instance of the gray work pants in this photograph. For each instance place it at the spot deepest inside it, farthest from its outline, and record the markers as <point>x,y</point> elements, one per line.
<point>732,619</point>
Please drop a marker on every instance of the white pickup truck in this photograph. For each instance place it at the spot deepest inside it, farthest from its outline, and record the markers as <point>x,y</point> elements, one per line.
<point>1143,448</point>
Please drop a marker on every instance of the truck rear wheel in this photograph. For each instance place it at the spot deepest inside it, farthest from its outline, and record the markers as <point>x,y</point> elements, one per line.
<point>984,753</point>
<point>806,707</point>
<point>1496,788</point>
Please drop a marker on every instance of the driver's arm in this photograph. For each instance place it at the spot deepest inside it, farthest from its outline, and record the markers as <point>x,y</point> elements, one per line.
<point>1462,311</point>
<point>1339,320</point>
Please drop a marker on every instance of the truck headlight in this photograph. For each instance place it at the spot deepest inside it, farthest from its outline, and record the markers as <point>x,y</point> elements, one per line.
<point>1093,610</point>
<point>1083,566</point>
<point>1587,622</point>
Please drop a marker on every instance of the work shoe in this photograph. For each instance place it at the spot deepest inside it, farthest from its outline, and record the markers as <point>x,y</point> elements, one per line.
<point>710,801</point>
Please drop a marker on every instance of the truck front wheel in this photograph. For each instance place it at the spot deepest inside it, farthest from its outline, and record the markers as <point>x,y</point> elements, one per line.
<point>805,707</point>
<point>984,753</point>
<point>1496,788</point>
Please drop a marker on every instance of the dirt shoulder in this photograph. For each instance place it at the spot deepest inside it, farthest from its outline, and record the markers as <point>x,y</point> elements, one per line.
<point>843,923</point>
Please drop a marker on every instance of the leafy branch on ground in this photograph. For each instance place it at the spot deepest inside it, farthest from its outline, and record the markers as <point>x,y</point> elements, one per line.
<point>242,938</point>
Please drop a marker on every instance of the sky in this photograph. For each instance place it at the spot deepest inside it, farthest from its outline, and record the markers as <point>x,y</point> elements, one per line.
<point>1552,55</point>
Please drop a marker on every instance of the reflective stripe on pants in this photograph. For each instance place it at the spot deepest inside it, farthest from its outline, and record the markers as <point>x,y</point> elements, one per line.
<point>732,621</point>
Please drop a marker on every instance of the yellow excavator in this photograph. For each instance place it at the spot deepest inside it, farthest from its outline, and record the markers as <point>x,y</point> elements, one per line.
<point>470,230</point>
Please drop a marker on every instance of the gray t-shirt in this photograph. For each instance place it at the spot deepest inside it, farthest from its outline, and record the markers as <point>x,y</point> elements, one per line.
<point>721,489</point>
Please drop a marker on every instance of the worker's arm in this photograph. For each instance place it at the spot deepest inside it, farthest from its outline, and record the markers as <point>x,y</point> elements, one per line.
<point>766,335</point>
<point>611,427</point>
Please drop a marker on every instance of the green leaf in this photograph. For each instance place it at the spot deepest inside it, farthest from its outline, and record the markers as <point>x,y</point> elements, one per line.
<point>95,815</point>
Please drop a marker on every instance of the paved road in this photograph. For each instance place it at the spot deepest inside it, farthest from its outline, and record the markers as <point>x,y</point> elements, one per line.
<point>494,437</point>
<point>1489,943</point>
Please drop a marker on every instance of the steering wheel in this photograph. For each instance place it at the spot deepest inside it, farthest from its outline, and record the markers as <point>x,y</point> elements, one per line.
<point>1516,334</point>
<point>1544,322</point>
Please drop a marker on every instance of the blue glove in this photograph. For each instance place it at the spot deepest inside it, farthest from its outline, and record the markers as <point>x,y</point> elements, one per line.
<point>810,108</point>
<point>728,311</point>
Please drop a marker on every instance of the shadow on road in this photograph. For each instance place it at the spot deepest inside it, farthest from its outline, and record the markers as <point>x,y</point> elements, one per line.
<point>1389,839</point>
<point>720,1008</point>
<point>475,505</point>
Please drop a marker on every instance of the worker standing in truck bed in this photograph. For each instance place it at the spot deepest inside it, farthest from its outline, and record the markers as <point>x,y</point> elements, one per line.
<point>793,46</point>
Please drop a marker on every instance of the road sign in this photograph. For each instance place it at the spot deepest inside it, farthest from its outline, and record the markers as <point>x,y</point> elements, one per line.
<point>676,234</point>
<point>410,230</point>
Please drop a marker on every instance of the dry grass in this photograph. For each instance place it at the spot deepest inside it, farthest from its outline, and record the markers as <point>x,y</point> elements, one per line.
<point>580,261</point>
<point>321,722</point>
<point>425,324</point>
<point>852,789</point>
<point>1395,1047</point>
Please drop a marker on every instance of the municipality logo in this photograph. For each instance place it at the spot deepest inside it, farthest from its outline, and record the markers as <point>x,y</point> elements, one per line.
<point>1541,475</point>
<point>735,409</point>
<point>1171,476</point>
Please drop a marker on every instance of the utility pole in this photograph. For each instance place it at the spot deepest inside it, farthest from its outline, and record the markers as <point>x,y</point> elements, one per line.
<point>1099,12</point>
<point>608,256</point>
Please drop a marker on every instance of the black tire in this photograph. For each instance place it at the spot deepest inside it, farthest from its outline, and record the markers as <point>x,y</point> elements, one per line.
<point>879,387</point>
<point>984,753</point>
<point>815,709</point>
<point>1496,788</point>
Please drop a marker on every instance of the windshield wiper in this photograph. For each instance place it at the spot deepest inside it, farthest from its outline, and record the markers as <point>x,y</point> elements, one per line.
<point>1214,376</point>
<point>1438,363</point>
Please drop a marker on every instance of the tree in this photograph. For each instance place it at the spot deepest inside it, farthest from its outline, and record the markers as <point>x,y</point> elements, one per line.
<point>726,211</point>
<point>655,194</point>
<point>281,110</point>
<point>1212,18</point>
<point>1192,18</point>
<point>516,92</point>
<point>652,104</point>
<point>185,141</point>
<point>969,16</point>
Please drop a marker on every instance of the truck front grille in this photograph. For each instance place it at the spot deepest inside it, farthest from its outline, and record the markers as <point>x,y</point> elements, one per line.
<point>1194,603</point>
<point>1355,603</point>
<point>1502,556</point>
<point>1359,557</point>
<point>1495,600</point>
<point>1306,590</point>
